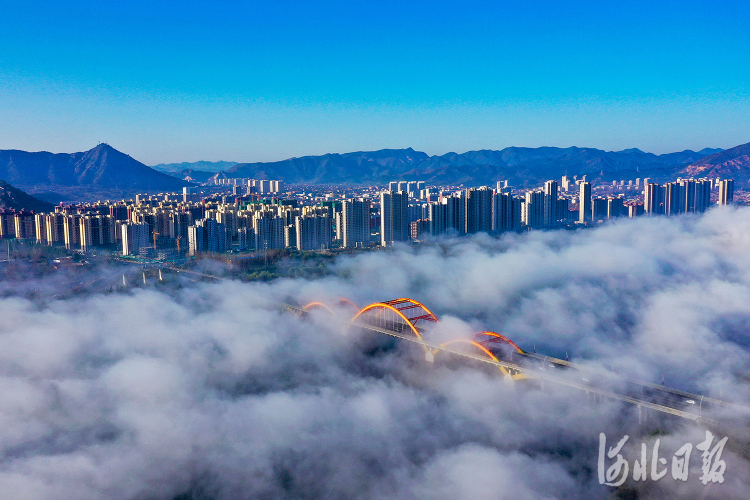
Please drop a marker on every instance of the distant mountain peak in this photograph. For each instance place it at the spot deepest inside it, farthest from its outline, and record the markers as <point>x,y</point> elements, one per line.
<point>631,150</point>
<point>105,148</point>
<point>102,166</point>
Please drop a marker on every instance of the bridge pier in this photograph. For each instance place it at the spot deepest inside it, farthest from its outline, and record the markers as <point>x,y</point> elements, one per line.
<point>640,415</point>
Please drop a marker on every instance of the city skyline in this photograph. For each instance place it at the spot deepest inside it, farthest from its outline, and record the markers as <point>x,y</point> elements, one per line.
<point>231,216</point>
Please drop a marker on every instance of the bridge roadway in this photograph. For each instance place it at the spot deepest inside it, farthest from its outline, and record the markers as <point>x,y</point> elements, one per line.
<point>645,396</point>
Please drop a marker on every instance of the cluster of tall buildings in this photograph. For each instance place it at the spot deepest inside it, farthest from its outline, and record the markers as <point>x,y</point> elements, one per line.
<point>685,195</point>
<point>260,186</point>
<point>79,231</point>
<point>415,189</point>
<point>468,211</point>
<point>173,225</point>
<point>165,226</point>
<point>486,210</point>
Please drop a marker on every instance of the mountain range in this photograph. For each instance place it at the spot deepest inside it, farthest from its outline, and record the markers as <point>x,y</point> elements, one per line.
<point>102,167</point>
<point>521,166</point>
<point>731,163</point>
<point>70,176</point>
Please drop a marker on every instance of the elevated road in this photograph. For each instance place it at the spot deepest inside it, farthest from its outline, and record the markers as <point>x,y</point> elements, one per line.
<point>515,365</point>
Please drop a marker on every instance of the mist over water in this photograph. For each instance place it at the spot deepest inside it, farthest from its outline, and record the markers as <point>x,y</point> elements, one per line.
<point>210,391</point>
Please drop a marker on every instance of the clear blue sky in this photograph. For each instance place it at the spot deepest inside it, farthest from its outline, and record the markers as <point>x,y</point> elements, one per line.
<point>255,81</point>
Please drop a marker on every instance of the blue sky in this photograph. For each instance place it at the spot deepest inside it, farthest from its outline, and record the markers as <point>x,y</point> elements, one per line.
<point>256,81</point>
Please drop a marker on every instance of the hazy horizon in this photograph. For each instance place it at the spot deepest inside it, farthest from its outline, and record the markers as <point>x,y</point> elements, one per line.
<point>230,160</point>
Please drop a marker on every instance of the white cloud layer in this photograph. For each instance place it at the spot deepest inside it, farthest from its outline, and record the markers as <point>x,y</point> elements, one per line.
<point>210,391</point>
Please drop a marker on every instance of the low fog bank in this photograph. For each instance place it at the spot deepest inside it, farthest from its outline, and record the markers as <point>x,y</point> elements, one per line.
<point>209,390</point>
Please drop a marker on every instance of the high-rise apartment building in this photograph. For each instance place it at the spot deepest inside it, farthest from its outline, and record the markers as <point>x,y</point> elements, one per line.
<point>507,212</point>
<point>245,238</point>
<point>615,207</point>
<point>652,203</point>
<point>338,226</point>
<point>438,218</point>
<point>355,222</point>
<point>417,211</point>
<point>456,222</point>
<point>24,225</point>
<point>726,192</point>
<point>55,227</point>
<point>584,202</point>
<point>598,209</point>
<point>269,231</point>
<point>702,195</point>
<point>674,198</point>
<point>40,223</point>
<point>72,230</point>
<point>479,210</point>
<point>181,221</point>
<point>635,210</point>
<point>134,237</point>
<point>196,243</point>
<point>563,210</point>
<point>550,203</point>
<point>314,232</point>
<point>533,209</point>
<point>7,224</point>
<point>394,217</point>
<point>420,229</point>
<point>229,219</point>
<point>207,235</point>
<point>290,235</point>
<point>687,186</point>
<point>97,230</point>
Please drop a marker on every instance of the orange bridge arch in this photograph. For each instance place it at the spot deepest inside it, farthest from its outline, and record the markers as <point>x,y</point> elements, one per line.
<point>320,305</point>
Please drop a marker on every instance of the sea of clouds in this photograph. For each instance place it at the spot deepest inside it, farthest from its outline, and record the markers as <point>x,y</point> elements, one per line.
<point>212,391</point>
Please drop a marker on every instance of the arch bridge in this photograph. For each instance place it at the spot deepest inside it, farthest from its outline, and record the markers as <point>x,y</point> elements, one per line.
<point>412,320</point>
